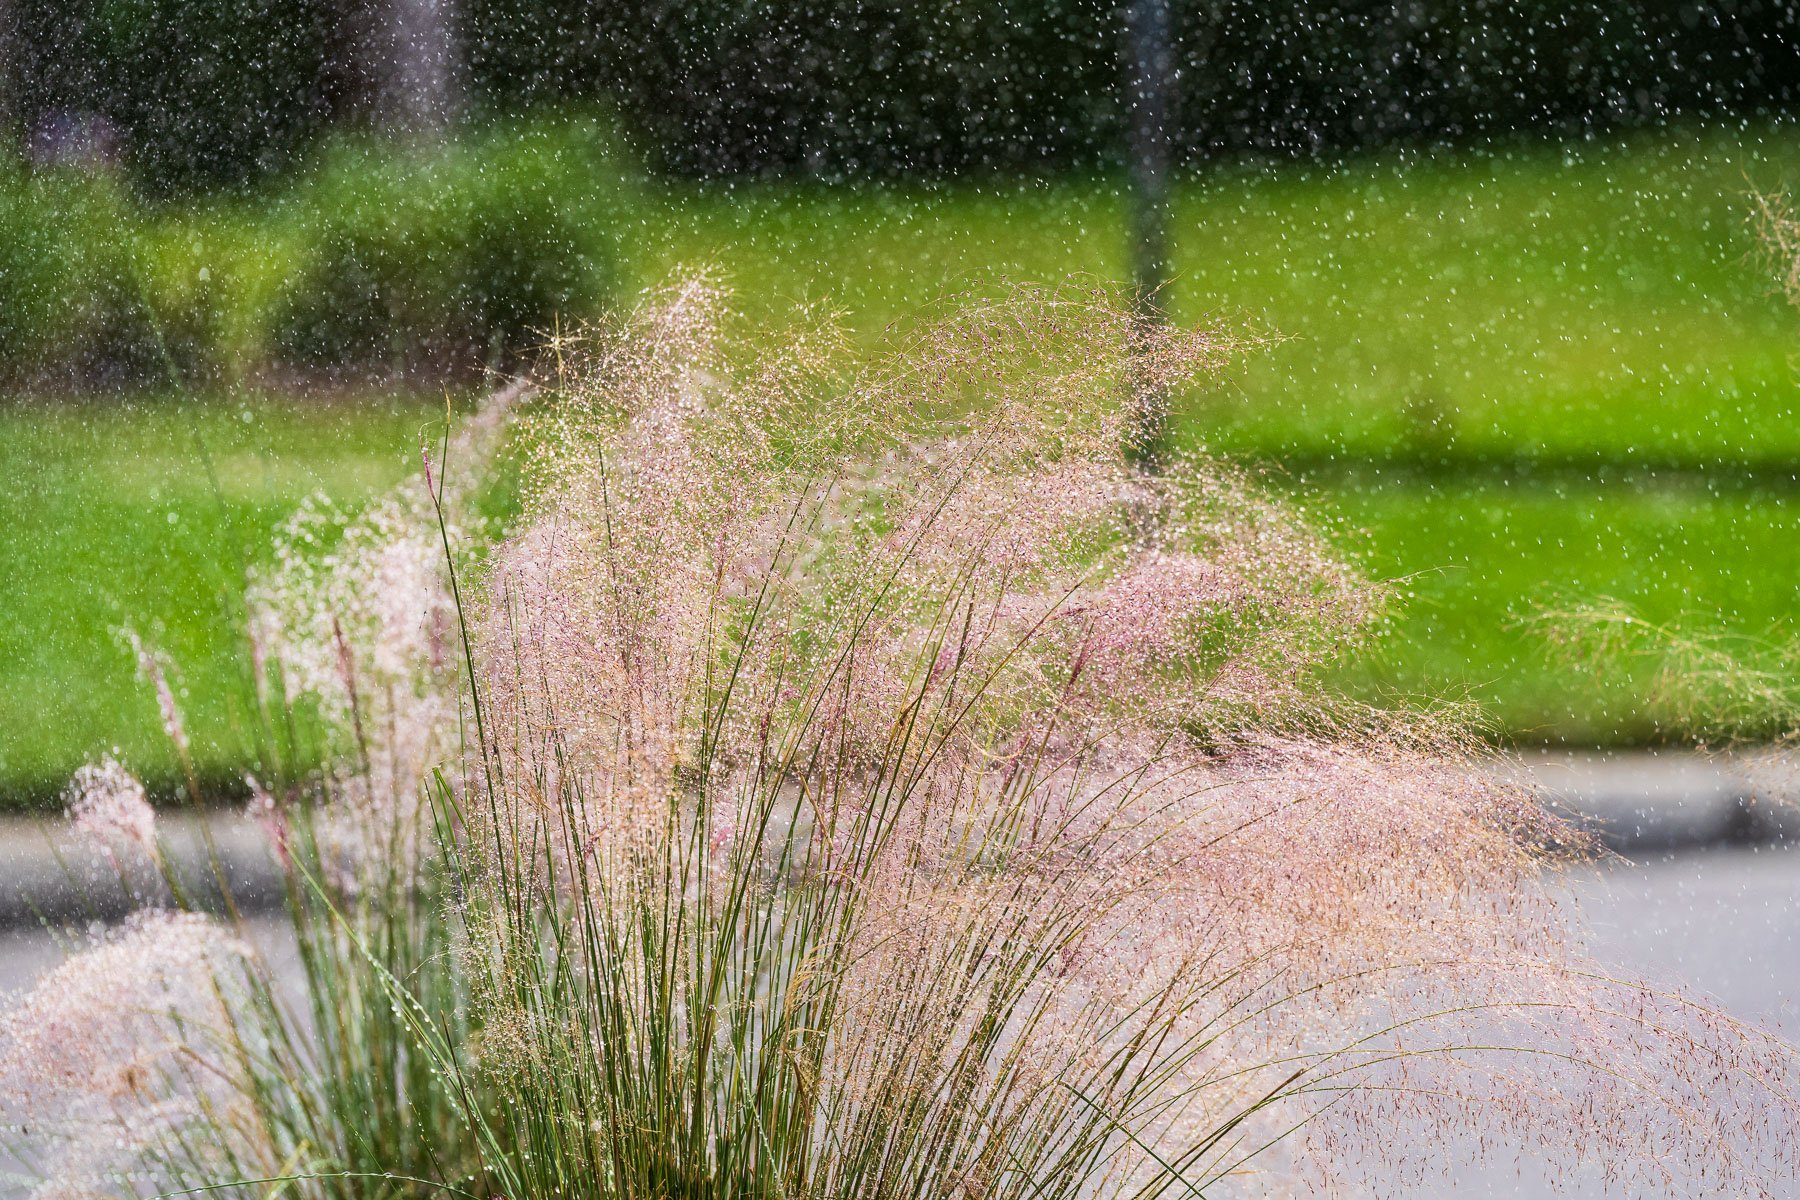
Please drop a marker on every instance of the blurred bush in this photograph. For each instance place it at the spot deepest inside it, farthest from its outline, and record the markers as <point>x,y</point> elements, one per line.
<point>859,87</point>
<point>440,260</point>
<point>213,274</point>
<point>381,259</point>
<point>199,93</point>
<point>206,94</point>
<point>71,310</point>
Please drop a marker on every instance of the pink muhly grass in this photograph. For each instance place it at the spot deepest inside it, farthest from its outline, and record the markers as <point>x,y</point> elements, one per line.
<point>154,670</point>
<point>106,804</point>
<point>354,615</point>
<point>931,802</point>
<point>115,1061</point>
<point>865,780</point>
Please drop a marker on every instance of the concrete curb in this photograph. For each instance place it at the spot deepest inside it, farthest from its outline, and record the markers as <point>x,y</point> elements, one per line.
<point>1659,801</point>
<point>48,874</point>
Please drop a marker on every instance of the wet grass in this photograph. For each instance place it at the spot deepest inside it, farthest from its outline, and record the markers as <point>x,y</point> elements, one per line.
<point>1605,302</point>
<point>1479,559</point>
<point>146,513</point>
<point>1538,374</point>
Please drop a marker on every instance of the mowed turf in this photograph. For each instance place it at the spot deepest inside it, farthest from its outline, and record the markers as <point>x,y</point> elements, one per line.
<point>145,514</point>
<point>1603,300</point>
<point>1537,375</point>
<point>1479,563</point>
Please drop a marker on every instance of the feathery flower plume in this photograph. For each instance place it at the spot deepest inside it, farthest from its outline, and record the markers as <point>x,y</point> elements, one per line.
<point>929,801</point>
<point>869,782</point>
<point>115,1059</point>
<point>357,614</point>
<point>151,667</point>
<point>106,804</point>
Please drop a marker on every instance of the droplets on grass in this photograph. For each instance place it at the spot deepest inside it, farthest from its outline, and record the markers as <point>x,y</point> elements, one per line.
<point>889,736</point>
<point>120,1058</point>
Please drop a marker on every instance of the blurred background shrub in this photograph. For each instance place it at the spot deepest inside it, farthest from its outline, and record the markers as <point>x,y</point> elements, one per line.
<point>203,190</point>
<point>70,309</point>
<point>431,260</point>
<point>379,259</point>
<point>202,94</point>
<point>849,87</point>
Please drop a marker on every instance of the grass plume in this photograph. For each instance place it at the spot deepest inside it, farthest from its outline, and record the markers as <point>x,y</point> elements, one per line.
<point>860,779</point>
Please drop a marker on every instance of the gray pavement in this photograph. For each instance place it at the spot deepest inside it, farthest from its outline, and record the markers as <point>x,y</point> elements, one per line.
<point>1638,803</point>
<point>1724,921</point>
<point>48,874</point>
<point>1647,801</point>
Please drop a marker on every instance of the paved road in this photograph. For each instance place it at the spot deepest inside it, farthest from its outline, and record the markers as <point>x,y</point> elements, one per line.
<point>1724,920</point>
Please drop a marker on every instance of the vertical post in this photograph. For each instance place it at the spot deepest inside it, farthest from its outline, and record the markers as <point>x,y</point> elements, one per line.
<point>421,84</point>
<point>1151,59</point>
<point>12,119</point>
<point>1147,30</point>
<point>403,69</point>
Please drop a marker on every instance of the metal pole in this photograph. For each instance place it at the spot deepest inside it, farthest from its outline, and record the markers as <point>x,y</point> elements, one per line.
<point>1147,28</point>
<point>1151,54</point>
<point>404,64</point>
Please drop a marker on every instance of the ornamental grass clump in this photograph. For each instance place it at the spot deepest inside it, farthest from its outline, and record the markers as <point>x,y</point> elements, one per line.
<point>866,780</point>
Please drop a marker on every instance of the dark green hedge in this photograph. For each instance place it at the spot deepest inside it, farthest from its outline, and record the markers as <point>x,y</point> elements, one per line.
<point>374,259</point>
<point>203,92</point>
<point>216,91</point>
<point>851,86</point>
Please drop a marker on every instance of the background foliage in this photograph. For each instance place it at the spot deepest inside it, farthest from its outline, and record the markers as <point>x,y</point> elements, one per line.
<point>210,93</point>
<point>1531,355</point>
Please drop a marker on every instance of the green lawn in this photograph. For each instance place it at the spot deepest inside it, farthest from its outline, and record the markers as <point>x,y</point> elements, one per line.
<point>1544,303</point>
<point>1537,375</point>
<point>1532,375</point>
<point>145,513</point>
<point>1477,558</point>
